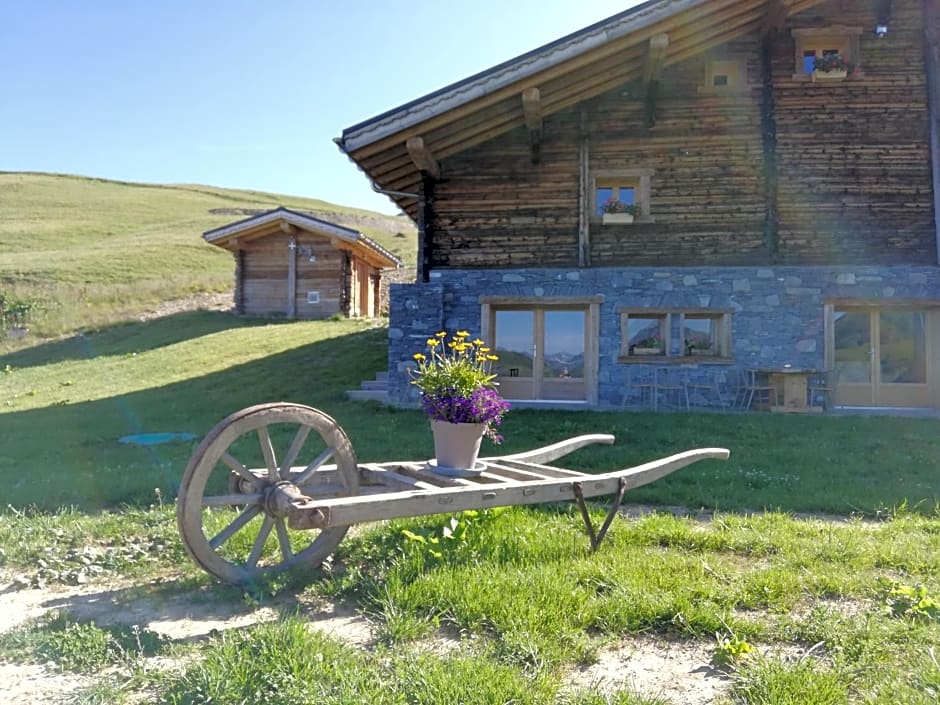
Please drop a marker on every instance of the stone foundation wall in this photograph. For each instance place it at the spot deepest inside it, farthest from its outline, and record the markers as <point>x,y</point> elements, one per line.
<point>777,319</point>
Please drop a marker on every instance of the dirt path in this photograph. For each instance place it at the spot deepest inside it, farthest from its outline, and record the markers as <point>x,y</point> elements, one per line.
<point>679,671</point>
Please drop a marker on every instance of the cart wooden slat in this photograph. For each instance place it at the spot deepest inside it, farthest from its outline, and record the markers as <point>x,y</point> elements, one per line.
<point>242,513</point>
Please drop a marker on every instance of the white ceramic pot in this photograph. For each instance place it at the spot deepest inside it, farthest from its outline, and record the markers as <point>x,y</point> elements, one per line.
<point>457,445</point>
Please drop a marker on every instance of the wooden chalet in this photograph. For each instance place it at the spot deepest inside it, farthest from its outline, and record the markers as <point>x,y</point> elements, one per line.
<point>293,264</point>
<point>777,161</point>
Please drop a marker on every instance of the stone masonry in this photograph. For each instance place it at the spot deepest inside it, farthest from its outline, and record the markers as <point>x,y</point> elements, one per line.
<point>777,319</point>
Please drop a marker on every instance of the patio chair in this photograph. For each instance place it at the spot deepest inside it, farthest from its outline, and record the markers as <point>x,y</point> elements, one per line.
<point>641,385</point>
<point>671,386</point>
<point>822,386</point>
<point>704,386</point>
<point>756,387</point>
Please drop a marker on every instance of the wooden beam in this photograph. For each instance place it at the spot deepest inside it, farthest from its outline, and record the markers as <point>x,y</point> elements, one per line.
<point>532,110</point>
<point>931,15</point>
<point>422,157</point>
<point>288,228</point>
<point>769,145</point>
<point>291,276</point>
<point>652,68</point>
<point>777,11</point>
<point>655,57</point>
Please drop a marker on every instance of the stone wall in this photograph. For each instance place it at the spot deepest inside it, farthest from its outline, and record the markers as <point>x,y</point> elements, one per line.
<point>777,320</point>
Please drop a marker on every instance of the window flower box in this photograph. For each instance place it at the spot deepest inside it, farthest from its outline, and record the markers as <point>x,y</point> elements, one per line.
<point>645,351</point>
<point>830,67</point>
<point>616,211</point>
<point>609,218</point>
<point>834,75</point>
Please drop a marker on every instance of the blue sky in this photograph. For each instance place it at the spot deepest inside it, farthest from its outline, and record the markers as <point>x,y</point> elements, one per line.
<point>240,93</point>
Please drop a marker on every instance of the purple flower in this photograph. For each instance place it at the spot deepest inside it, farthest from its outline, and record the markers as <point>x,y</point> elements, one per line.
<point>484,405</point>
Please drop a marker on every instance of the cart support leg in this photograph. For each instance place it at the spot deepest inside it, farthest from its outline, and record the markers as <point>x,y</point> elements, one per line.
<point>596,538</point>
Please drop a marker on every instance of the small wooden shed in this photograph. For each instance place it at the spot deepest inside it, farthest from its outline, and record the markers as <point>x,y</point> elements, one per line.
<point>291,263</point>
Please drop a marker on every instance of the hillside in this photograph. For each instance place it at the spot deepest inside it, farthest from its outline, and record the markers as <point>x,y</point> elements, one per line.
<point>88,251</point>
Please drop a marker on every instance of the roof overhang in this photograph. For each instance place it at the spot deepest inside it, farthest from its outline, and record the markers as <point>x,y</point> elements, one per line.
<point>393,148</point>
<point>233,235</point>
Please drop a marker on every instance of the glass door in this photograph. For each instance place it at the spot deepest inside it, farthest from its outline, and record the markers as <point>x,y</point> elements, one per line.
<point>541,353</point>
<point>881,357</point>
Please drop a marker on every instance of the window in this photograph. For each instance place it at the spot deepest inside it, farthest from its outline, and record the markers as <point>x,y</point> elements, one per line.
<point>313,297</point>
<point>623,190</point>
<point>725,76</point>
<point>817,43</point>
<point>629,186</point>
<point>704,333</point>
<point>644,333</point>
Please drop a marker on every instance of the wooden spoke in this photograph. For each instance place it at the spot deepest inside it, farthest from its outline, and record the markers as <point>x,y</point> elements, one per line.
<point>313,466</point>
<point>216,479</point>
<point>228,500</point>
<point>260,540</point>
<point>229,531</point>
<point>267,448</point>
<point>238,467</point>
<point>299,439</point>
<point>283,538</point>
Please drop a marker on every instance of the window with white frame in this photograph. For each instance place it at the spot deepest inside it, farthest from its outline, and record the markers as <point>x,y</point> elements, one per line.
<point>628,187</point>
<point>825,44</point>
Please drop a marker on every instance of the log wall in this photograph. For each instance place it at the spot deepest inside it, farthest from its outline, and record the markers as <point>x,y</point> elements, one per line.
<point>853,166</point>
<point>263,276</point>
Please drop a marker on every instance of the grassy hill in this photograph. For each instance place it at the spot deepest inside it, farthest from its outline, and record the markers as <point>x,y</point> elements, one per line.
<point>90,251</point>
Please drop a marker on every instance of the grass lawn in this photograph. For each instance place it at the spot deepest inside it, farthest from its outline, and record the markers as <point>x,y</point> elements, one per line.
<point>91,251</point>
<point>857,600</point>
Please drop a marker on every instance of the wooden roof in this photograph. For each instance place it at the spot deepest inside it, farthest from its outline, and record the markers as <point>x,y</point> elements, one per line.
<point>395,147</point>
<point>283,219</point>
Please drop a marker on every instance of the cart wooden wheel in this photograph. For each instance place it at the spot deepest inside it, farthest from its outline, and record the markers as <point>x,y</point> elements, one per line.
<point>233,499</point>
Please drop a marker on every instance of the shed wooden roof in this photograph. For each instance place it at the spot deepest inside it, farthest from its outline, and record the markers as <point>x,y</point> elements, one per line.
<point>628,46</point>
<point>228,236</point>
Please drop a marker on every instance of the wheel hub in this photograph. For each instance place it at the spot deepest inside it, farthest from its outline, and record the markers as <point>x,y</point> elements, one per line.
<point>279,496</point>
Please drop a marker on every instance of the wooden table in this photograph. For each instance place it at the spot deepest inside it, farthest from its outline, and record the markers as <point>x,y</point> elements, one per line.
<point>792,385</point>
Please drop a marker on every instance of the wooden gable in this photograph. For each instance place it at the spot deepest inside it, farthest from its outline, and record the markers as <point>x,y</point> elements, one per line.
<point>395,148</point>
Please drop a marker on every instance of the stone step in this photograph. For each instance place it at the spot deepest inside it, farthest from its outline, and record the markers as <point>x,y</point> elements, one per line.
<point>375,384</point>
<point>382,376</point>
<point>367,395</point>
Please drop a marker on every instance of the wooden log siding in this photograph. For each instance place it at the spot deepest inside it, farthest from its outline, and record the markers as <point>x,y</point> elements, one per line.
<point>854,156</point>
<point>263,276</point>
<point>494,208</point>
<point>854,180</point>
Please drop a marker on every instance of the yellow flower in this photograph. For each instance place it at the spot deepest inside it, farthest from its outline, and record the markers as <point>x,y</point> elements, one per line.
<point>442,334</point>
<point>452,344</point>
<point>419,357</point>
<point>492,357</point>
<point>433,342</point>
<point>484,350</point>
<point>462,334</point>
<point>478,342</point>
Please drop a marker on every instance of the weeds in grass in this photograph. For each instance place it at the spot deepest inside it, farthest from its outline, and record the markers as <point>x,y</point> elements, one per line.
<point>78,646</point>
<point>730,649</point>
<point>912,602</point>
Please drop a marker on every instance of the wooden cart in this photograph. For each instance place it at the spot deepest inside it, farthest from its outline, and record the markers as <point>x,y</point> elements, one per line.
<point>244,512</point>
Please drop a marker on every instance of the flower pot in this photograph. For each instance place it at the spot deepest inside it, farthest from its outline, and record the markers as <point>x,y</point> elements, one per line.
<point>647,351</point>
<point>834,75</point>
<point>457,445</point>
<point>608,218</point>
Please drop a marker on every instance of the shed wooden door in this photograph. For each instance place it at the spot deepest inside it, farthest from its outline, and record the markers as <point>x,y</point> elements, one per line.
<point>881,357</point>
<point>541,352</point>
